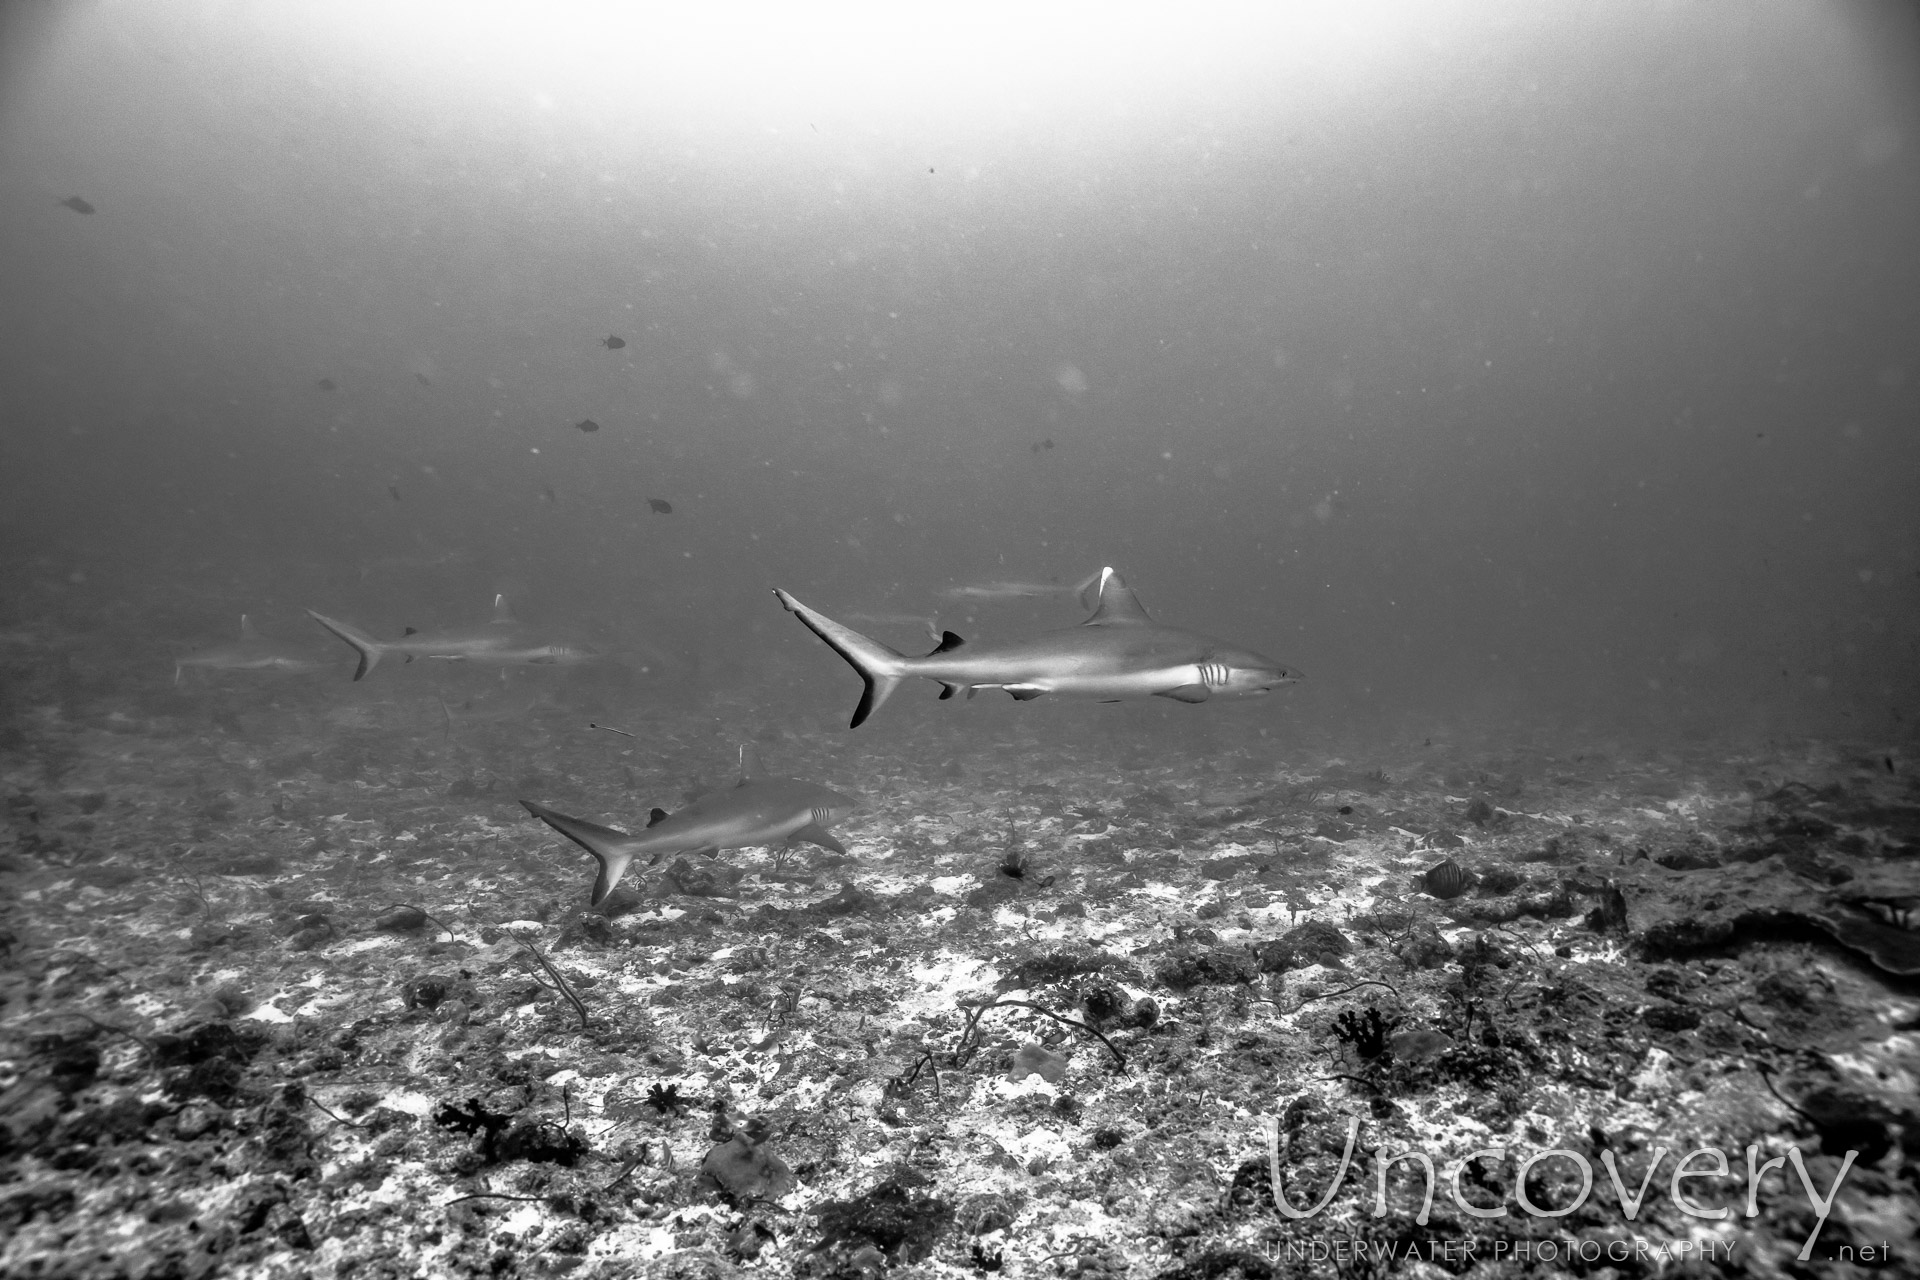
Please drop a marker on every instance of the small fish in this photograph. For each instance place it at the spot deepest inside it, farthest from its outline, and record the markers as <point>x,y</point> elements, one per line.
<point>587,425</point>
<point>1446,881</point>
<point>394,489</point>
<point>76,204</point>
<point>660,506</point>
<point>423,379</point>
<point>613,342</point>
<point>547,490</point>
<point>327,384</point>
<point>757,811</point>
<point>1042,444</point>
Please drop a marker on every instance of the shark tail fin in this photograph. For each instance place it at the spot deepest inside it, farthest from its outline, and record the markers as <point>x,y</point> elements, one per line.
<point>612,849</point>
<point>881,667</point>
<point>365,645</point>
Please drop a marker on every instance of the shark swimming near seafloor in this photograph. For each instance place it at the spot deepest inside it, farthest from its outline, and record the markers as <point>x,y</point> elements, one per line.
<point>503,642</point>
<point>251,652</point>
<point>755,811</point>
<point>1120,652</point>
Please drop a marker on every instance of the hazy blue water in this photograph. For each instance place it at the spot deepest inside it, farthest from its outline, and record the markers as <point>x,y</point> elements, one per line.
<point>1553,364</point>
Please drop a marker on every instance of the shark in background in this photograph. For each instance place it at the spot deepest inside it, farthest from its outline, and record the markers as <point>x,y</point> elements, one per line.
<point>755,811</point>
<point>504,642</point>
<point>983,591</point>
<point>1120,652</point>
<point>251,652</point>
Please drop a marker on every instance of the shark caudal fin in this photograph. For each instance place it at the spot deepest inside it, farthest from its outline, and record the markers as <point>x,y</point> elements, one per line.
<point>365,645</point>
<point>610,848</point>
<point>882,668</point>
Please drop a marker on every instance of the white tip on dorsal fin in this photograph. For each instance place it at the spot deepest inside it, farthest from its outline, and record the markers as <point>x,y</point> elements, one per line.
<point>749,762</point>
<point>246,628</point>
<point>1118,605</point>
<point>501,611</point>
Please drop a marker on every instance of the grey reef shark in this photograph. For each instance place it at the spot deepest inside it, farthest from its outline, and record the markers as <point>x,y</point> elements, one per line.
<point>251,652</point>
<point>1120,652</point>
<point>503,642</point>
<point>755,811</point>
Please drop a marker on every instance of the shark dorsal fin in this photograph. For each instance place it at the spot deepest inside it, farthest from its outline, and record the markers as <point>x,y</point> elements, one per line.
<point>657,817</point>
<point>246,628</point>
<point>1118,606</point>
<point>948,643</point>
<point>749,762</point>
<point>501,611</point>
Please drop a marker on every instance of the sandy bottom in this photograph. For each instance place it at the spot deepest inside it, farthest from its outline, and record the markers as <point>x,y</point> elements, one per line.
<point>283,997</point>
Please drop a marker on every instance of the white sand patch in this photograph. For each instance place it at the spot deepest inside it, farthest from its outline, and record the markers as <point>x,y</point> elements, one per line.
<point>409,1102</point>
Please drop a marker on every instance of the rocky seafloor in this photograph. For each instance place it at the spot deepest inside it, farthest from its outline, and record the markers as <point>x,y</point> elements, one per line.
<point>293,987</point>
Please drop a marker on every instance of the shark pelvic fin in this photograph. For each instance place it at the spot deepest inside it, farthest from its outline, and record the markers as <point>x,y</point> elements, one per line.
<point>1024,692</point>
<point>1118,606</point>
<point>880,667</point>
<point>657,817</point>
<point>365,645</point>
<point>611,849</point>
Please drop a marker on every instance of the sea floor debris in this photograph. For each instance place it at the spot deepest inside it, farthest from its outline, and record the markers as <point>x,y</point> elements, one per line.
<point>305,996</point>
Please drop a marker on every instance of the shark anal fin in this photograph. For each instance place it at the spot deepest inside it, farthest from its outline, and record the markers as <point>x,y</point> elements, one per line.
<point>948,690</point>
<point>1186,693</point>
<point>814,833</point>
<point>948,643</point>
<point>656,817</point>
<point>1024,692</point>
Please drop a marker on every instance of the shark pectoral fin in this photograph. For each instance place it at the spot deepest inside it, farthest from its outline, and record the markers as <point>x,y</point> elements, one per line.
<point>611,849</point>
<point>1186,693</point>
<point>814,833</point>
<point>1024,692</point>
<point>657,817</point>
